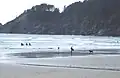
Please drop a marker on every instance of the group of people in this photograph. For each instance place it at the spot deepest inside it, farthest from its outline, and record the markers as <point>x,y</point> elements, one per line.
<point>27,44</point>
<point>71,49</point>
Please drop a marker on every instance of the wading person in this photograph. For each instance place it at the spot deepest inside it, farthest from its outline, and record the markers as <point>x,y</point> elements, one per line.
<point>71,50</point>
<point>22,44</point>
<point>29,44</point>
<point>26,44</point>
<point>58,49</point>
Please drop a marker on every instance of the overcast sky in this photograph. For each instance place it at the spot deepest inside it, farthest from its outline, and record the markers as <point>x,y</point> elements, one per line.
<point>9,9</point>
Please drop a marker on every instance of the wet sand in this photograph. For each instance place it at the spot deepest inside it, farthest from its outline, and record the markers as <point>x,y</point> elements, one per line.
<point>39,54</point>
<point>17,71</point>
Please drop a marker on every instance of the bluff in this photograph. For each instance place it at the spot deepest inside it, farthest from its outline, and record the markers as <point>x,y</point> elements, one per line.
<point>91,17</point>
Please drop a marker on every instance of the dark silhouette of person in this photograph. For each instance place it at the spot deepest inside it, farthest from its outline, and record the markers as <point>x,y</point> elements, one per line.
<point>22,44</point>
<point>58,49</point>
<point>26,44</point>
<point>71,50</point>
<point>91,51</point>
<point>29,44</point>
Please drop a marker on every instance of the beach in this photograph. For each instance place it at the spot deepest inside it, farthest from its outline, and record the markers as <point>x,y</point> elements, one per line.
<point>98,66</point>
<point>17,71</point>
<point>46,61</point>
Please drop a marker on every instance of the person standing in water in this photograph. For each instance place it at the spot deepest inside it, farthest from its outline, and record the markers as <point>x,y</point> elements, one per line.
<point>58,49</point>
<point>22,44</point>
<point>71,50</point>
<point>29,44</point>
<point>26,44</point>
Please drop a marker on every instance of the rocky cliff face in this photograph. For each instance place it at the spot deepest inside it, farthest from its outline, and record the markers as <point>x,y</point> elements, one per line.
<point>91,17</point>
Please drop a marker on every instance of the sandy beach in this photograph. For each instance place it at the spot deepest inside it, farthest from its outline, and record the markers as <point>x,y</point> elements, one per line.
<point>17,71</point>
<point>36,70</point>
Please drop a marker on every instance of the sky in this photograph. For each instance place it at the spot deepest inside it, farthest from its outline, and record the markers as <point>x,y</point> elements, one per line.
<point>10,9</point>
